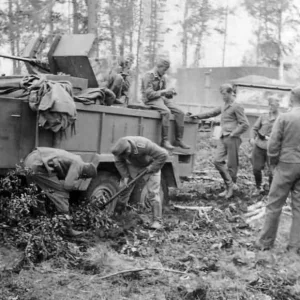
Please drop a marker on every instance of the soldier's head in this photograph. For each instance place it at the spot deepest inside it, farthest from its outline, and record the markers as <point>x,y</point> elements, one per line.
<point>273,104</point>
<point>295,96</point>
<point>88,171</point>
<point>122,148</point>
<point>226,91</point>
<point>162,65</point>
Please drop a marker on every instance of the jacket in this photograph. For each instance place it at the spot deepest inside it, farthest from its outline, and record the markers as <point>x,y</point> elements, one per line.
<point>143,153</point>
<point>233,119</point>
<point>152,84</point>
<point>284,142</point>
<point>65,165</point>
<point>262,128</point>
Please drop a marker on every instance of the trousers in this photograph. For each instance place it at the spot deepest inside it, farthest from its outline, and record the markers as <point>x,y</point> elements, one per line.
<point>286,179</point>
<point>259,160</point>
<point>166,107</point>
<point>228,149</point>
<point>49,183</point>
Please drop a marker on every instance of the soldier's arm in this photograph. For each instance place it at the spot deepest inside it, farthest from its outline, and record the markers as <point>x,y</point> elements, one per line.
<point>275,141</point>
<point>243,123</point>
<point>121,166</point>
<point>150,93</point>
<point>209,114</point>
<point>256,127</point>
<point>159,156</point>
<point>72,176</point>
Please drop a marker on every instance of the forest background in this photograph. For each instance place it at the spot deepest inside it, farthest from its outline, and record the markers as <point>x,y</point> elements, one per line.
<point>192,33</point>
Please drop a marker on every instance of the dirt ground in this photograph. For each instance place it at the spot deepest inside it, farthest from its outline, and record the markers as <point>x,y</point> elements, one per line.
<point>194,257</point>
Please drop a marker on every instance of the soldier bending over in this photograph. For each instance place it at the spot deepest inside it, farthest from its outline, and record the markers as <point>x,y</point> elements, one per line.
<point>133,154</point>
<point>56,172</point>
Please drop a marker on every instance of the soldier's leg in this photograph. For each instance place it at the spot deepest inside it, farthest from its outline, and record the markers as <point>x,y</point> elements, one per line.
<point>159,105</point>
<point>219,162</point>
<point>116,85</point>
<point>179,123</point>
<point>153,193</point>
<point>258,163</point>
<point>294,240</point>
<point>281,185</point>
<point>233,145</point>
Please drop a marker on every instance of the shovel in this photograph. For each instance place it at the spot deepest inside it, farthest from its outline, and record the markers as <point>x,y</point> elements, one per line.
<point>124,188</point>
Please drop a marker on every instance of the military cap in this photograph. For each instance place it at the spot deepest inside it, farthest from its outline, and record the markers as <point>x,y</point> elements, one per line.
<point>120,147</point>
<point>163,62</point>
<point>89,170</point>
<point>227,87</point>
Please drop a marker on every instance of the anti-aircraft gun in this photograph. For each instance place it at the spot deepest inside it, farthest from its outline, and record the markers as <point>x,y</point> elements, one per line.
<point>67,59</point>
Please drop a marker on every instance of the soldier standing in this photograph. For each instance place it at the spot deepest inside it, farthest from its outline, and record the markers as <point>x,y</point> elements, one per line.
<point>158,97</point>
<point>261,131</point>
<point>133,154</point>
<point>233,124</point>
<point>56,172</point>
<point>284,153</point>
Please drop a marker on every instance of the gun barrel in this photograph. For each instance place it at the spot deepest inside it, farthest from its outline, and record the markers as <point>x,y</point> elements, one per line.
<point>17,58</point>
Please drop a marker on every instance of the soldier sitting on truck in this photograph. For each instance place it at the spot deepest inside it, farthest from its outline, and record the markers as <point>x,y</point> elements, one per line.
<point>132,155</point>
<point>157,96</point>
<point>117,79</point>
<point>260,135</point>
<point>56,172</point>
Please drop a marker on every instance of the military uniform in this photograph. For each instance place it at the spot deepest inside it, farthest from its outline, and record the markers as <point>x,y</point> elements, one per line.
<point>56,172</point>
<point>284,152</point>
<point>141,154</point>
<point>154,95</point>
<point>261,131</point>
<point>233,124</point>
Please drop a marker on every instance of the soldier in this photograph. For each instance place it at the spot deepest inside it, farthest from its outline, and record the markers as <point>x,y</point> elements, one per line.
<point>117,79</point>
<point>261,131</point>
<point>133,154</point>
<point>233,124</point>
<point>158,97</point>
<point>284,154</point>
<point>56,172</point>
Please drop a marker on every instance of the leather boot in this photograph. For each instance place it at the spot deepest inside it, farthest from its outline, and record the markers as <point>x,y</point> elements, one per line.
<point>179,130</point>
<point>222,168</point>
<point>165,143</point>
<point>157,216</point>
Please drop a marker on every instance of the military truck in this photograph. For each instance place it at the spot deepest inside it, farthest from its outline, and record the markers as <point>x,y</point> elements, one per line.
<point>98,127</point>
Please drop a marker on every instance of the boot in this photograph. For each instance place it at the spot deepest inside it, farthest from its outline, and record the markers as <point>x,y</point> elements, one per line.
<point>165,142</point>
<point>221,167</point>
<point>179,135</point>
<point>157,216</point>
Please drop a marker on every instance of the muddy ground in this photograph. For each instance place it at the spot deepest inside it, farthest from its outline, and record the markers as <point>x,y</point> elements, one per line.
<point>194,257</point>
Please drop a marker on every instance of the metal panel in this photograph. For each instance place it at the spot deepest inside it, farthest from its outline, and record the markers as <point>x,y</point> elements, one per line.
<point>10,125</point>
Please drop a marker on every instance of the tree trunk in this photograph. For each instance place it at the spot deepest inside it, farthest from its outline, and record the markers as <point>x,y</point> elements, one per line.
<point>185,34</point>
<point>75,17</point>
<point>225,35</point>
<point>280,46</point>
<point>11,33</point>
<point>111,17</point>
<point>92,23</point>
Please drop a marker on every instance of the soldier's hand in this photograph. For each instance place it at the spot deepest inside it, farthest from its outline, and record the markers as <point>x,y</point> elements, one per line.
<point>193,116</point>
<point>124,182</point>
<point>149,169</point>
<point>267,138</point>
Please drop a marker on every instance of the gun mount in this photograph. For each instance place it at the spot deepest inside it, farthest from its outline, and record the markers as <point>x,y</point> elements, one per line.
<point>68,55</point>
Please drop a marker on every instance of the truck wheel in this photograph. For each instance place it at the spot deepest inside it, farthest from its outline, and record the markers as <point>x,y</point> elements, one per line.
<point>102,188</point>
<point>139,193</point>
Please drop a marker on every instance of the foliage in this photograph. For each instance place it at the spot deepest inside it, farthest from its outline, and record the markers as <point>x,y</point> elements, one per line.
<point>32,226</point>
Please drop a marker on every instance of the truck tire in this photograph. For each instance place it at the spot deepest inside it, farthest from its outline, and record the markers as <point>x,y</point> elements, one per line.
<point>139,193</point>
<point>104,186</point>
